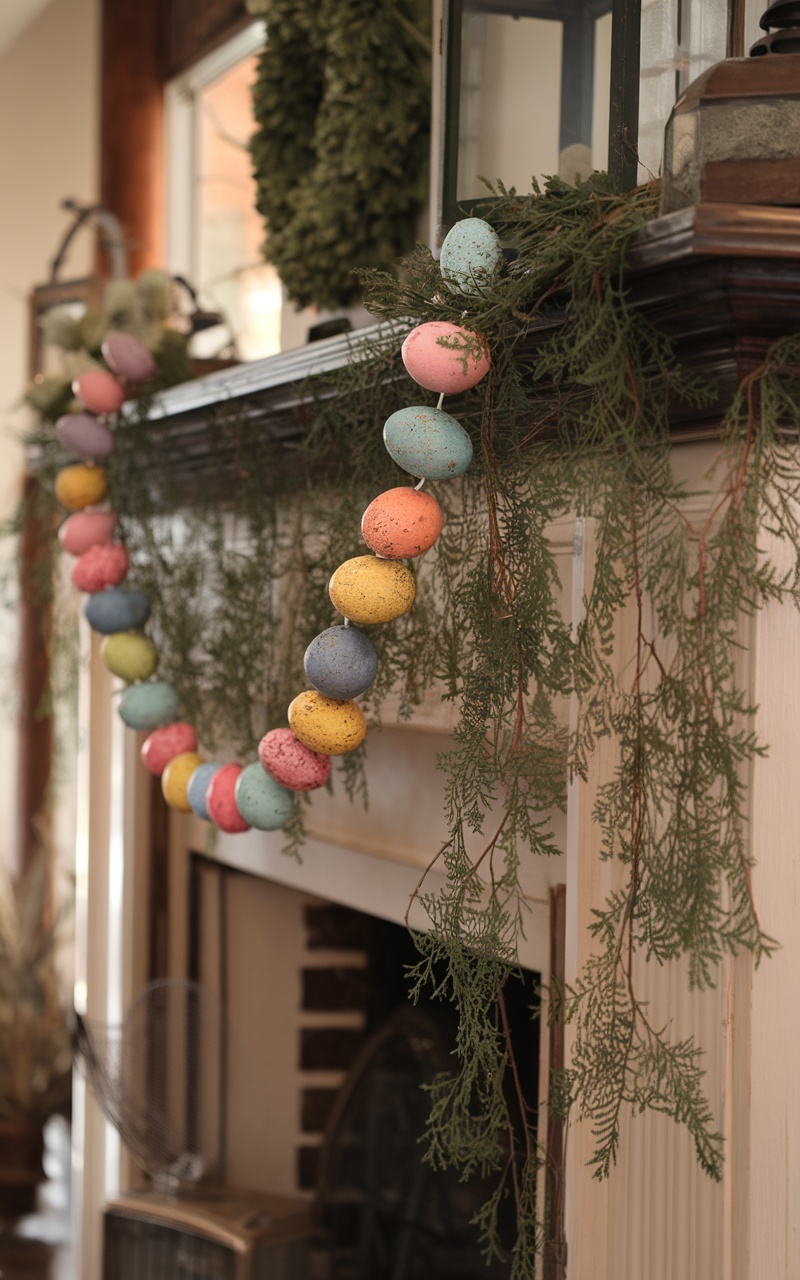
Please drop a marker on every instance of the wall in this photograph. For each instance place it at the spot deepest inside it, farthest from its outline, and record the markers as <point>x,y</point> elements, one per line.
<point>49,80</point>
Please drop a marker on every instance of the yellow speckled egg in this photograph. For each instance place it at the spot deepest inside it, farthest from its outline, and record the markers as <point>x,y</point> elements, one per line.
<point>81,486</point>
<point>327,726</point>
<point>367,589</point>
<point>175,779</point>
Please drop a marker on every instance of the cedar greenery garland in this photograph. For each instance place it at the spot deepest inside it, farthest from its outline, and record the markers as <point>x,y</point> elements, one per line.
<point>571,420</point>
<point>342,102</point>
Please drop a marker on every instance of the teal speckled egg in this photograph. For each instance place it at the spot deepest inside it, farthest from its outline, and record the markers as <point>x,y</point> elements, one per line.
<point>471,256</point>
<point>148,705</point>
<point>262,801</point>
<point>427,442</point>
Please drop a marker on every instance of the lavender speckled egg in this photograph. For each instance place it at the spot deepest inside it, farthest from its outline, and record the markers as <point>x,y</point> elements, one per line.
<point>445,357</point>
<point>368,590</point>
<point>175,780</point>
<point>262,801</point>
<point>116,610</point>
<point>427,442</point>
<point>471,256</point>
<point>102,566</point>
<point>197,789</point>
<point>341,663</point>
<point>127,357</point>
<point>99,391</point>
<point>86,529</point>
<point>325,725</point>
<point>165,744</point>
<point>81,486</point>
<point>221,800</point>
<point>148,705</point>
<point>85,435</point>
<point>291,762</point>
<point>131,657</point>
<point>401,523</point>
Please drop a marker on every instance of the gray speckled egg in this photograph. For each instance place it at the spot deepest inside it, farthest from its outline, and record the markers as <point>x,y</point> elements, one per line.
<point>86,435</point>
<point>471,256</point>
<point>116,610</point>
<point>427,442</point>
<point>148,705</point>
<point>262,801</point>
<point>341,663</point>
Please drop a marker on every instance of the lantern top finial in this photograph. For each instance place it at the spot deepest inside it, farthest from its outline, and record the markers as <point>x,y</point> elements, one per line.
<point>781,21</point>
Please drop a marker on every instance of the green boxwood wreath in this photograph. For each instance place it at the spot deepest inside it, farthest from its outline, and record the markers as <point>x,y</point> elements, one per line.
<point>342,102</point>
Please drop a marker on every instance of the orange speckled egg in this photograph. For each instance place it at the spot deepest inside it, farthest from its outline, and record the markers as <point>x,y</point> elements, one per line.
<point>445,357</point>
<point>81,486</point>
<point>401,523</point>
<point>368,590</point>
<point>175,779</point>
<point>332,728</point>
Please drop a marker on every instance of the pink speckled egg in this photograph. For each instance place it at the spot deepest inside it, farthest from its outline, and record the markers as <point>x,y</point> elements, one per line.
<point>401,523</point>
<point>104,565</point>
<point>99,391</point>
<point>86,529</point>
<point>445,357</point>
<point>291,762</point>
<point>221,800</point>
<point>127,357</point>
<point>165,744</point>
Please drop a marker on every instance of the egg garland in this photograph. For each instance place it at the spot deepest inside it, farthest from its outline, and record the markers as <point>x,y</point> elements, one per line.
<point>340,663</point>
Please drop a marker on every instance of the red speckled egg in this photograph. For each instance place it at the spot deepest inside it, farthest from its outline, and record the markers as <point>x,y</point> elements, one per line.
<point>99,391</point>
<point>86,529</point>
<point>127,358</point>
<point>221,800</point>
<point>102,566</point>
<point>291,762</point>
<point>165,744</point>
<point>401,523</point>
<point>445,357</point>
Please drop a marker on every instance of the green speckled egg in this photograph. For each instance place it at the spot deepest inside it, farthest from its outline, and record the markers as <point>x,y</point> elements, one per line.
<point>129,657</point>
<point>427,442</point>
<point>262,801</point>
<point>471,256</point>
<point>148,705</point>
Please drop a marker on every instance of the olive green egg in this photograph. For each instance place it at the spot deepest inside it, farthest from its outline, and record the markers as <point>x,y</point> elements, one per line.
<point>129,656</point>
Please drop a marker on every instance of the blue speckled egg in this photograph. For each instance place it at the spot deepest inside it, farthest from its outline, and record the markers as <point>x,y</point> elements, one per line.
<point>149,704</point>
<point>341,663</point>
<point>262,801</point>
<point>427,442</point>
<point>117,610</point>
<point>197,788</point>
<point>471,256</point>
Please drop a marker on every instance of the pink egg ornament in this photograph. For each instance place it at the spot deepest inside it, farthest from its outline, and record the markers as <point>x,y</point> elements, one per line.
<point>221,800</point>
<point>291,762</point>
<point>401,523</point>
<point>165,744</point>
<point>104,565</point>
<point>99,391</point>
<point>86,529</point>
<point>127,357</point>
<point>445,357</point>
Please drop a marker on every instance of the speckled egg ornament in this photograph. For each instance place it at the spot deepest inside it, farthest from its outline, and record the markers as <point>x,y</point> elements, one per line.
<point>471,256</point>
<point>102,566</point>
<point>175,780</point>
<point>99,391</point>
<point>86,436</point>
<point>368,590</point>
<point>291,762</point>
<point>165,744</point>
<point>221,800</point>
<point>262,801</point>
<point>197,789</point>
<point>127,357</point>
<point>401,523</point>
<point>445,357</point>
<point>81,486</point>
<point>116,610</point>
<point>148,705</point>
<point>131,657</point>
<point>86,529</point>
<point>427,442</point>
<point>334,728</point>
<point>341,663</point>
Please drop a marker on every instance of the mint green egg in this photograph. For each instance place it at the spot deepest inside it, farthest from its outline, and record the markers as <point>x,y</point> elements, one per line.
<point>129,656</point>
<point>471,256</point>
<point>149,705</point>
<point>262,801</point>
